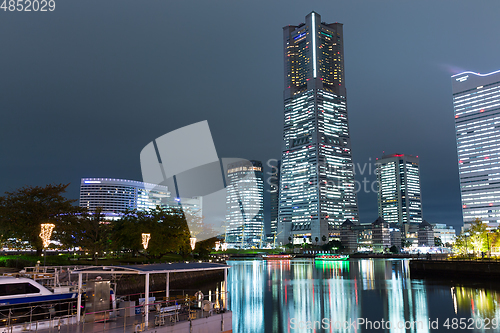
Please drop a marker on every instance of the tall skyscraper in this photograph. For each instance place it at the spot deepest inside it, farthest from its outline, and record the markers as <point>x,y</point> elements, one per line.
<point>317,191</point>
<point>399,196</point>
<point>245,204</point>
<point>274,191</point>
<point>476,102</point>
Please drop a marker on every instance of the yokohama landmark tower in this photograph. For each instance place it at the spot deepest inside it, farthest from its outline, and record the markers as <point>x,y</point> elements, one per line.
<point>317,190</point>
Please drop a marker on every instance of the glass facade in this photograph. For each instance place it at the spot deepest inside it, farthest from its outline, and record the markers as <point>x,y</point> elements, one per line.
<point>114,196</point>
<point>245,204</point>
<point>317,192</point>
<point>274,191</point>
<point>399,196</point>
<point>476,103</point>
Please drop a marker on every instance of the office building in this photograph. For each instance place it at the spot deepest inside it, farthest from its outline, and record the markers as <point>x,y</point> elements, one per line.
<point>245,204</point>
<point>476,103</point>
<point>425,234</point>
<point>114,196</point>
<point>274,193</point>
<point>381,235</point>
<point>317,192</point>
<point>349,237</point>
<point>399,196</point>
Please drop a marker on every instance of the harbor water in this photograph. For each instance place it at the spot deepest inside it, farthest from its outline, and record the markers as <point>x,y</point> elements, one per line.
<point>358,295</point>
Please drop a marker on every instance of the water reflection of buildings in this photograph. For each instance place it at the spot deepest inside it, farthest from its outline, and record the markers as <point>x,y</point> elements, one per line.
<point>246,296</point>
<point>312,291</point>
<point>480,302</point>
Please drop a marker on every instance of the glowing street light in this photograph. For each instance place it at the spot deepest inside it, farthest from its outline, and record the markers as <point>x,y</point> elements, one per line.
<point>145,240</point>
<point>46,233</point>
<point>192,241</point>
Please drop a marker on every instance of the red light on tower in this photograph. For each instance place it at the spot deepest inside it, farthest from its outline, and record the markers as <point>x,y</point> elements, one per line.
<point>456,117</point>
<point>482,110</point>
<point>464,206</point>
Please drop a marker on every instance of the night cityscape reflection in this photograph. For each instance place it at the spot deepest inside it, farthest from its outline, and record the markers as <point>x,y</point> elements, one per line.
<point>269,296</point>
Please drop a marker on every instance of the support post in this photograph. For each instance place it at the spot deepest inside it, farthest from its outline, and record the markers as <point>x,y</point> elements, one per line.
<point>146,300</point>
<point>168,287</point>
<point>79,302</point>
<point>225,288</point>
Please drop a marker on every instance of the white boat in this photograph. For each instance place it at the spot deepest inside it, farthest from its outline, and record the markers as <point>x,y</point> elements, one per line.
<point>25,300</point>
<point>21,290</point>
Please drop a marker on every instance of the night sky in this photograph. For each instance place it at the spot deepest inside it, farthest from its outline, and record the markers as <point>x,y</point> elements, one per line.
<point>84,88</point>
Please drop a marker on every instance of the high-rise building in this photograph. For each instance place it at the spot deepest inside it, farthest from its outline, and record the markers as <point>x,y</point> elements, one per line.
<point>274,191</point>
<point>399,196</point>
<point>114,196</point>
<point>317,191</point>
<point>476,102</point>
<point>245,204</point>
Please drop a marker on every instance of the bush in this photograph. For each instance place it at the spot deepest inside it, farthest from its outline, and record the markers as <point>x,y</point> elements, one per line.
<point>394,249</point>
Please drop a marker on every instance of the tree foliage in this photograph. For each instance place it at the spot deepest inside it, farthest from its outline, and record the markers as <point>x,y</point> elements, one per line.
<point>474,239</point>
<point>24,210</point>
<point>394,249</point>
<point>168,229</point>
<point>87,230</point>
<point>477,237</point>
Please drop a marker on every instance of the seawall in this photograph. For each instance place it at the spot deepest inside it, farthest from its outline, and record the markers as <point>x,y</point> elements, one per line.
<point>455,269</point>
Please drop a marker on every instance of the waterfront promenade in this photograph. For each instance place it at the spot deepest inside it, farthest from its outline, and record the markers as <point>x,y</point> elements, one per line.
<point>455,268</point>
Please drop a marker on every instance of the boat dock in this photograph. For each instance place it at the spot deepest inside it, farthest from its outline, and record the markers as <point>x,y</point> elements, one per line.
<point>160,313</point>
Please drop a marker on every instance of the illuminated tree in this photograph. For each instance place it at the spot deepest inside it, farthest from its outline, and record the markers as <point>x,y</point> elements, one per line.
<point>474,239</point>
<point>478,237</point>
<point>461,246</point>
<point>24,210</point>
<point>168,229</point>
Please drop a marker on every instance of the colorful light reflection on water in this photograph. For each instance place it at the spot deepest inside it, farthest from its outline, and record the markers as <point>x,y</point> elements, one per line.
<point>277,295</point>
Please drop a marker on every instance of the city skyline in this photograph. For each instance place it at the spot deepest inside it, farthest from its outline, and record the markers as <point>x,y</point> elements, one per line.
<point>94,96</point>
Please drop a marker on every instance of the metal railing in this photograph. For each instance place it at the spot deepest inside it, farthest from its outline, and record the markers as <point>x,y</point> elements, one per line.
<point>61,317</point>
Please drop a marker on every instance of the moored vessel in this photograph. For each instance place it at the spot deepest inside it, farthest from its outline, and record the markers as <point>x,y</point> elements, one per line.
<point>324,256</point>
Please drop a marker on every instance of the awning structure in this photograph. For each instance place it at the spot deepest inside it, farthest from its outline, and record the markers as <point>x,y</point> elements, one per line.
<point>147,270</point>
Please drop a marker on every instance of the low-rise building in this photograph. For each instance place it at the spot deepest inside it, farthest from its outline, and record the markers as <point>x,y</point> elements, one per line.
<point>349,236</point>
<point>381,235</point>
<point>425,234</point>
<point>444,232</point>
